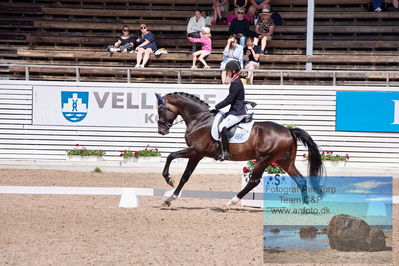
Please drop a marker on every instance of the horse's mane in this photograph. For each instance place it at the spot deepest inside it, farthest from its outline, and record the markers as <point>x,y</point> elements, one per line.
<point>192,97</point>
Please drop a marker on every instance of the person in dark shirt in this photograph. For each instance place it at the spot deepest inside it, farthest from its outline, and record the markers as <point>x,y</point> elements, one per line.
<point>124,44</point>
<point>236,100</point>
<point>251,58</point>
<point>239,27</point>
<point>146,46</point>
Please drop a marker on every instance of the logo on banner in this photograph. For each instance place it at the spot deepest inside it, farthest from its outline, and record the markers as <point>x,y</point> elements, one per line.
<point>74,105</point>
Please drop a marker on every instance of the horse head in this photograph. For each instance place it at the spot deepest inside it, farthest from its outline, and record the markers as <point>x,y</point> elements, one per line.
<point>166,115</point>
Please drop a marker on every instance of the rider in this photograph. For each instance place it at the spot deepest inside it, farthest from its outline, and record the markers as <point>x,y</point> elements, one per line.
<point>237,112</point>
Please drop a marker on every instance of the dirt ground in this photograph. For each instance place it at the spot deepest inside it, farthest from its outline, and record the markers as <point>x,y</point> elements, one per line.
<point>77,230</point>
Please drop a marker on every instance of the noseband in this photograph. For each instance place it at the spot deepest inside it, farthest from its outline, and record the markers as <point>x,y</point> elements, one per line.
<point>167,124</point>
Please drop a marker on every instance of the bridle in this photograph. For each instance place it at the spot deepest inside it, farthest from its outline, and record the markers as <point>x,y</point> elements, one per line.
<point>168,124</point>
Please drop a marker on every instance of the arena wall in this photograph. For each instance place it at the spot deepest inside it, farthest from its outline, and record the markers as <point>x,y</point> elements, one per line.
<point>311,108</point>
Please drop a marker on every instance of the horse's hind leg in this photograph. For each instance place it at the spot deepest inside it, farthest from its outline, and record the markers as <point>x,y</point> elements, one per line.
<point>191,165</point>
<point>260,166</point>
<point>293,172</point>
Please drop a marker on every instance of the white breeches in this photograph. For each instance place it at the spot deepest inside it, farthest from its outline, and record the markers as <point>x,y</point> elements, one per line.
<point>230,121</point>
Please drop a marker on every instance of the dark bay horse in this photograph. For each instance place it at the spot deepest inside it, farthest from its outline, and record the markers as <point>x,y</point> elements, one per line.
<point>268,142</point>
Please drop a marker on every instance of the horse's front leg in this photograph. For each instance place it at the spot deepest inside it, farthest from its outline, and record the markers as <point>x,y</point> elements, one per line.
<point>191,165</point>
<point>186,153</point>
<point>259,168</point>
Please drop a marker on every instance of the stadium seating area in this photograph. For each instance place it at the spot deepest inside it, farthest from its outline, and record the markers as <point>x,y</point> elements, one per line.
<point>352,45</point>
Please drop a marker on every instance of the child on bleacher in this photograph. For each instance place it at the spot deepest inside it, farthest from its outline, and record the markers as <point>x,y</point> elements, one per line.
<point>124,44</point>
<point>205,39</point>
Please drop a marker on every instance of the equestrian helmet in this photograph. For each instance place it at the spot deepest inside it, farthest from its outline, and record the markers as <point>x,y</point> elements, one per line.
<point>233,65</point>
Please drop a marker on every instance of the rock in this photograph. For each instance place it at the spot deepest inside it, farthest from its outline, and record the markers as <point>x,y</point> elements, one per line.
<point>275,230</point>
<point>308,232</point>
<point>348,233</point>
<point>323,231</point>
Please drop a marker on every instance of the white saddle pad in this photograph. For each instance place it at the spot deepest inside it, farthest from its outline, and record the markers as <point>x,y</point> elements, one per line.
<point>240,136</point>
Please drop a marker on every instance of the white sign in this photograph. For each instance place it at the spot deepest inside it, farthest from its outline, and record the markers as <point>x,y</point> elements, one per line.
<point>105,106</point>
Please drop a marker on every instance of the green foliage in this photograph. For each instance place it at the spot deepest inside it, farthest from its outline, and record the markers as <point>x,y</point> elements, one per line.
<point>129,154</point>
<point>147,152</point>
<point>97,170</point>
<point>329,156</point>
<point>274,168</point>
<point>290,125</point>
<point>82,151</point>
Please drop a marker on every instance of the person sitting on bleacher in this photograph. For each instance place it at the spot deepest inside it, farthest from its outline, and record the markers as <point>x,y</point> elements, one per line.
<point>239,27</point>
<point>206,47</point>
<point>232,51</point>
<point>256,6</point>
<point>194,28</point>
<point>218,8</point>
<point>145,46</point>
<point>232,16</point>
<point>251,59</point>
<point>264,29</point>
<point>124,44</point>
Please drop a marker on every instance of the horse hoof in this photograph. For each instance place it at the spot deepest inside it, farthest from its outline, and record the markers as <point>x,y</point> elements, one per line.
<point>171,182</point>
<point>166,203</point>
<point>226,207</point>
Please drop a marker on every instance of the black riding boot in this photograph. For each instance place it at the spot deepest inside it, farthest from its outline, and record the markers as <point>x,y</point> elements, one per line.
<point>225,144</point>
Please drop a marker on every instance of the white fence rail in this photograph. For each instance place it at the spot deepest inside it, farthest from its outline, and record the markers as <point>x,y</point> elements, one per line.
<point>308,107</point>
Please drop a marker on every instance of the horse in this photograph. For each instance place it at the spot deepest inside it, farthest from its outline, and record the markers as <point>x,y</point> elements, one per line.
<point>268,142</point>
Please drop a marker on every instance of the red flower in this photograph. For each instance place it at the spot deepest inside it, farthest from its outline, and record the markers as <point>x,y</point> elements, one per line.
<point>337,155</point>
<point>156,149</point>
<point>136,153</point>
<point>304,155</point>
<point>254,161</point>
<point>81,150</point>
<point>331,152</point>
<point>347,156</point>
<point>76,145</point>
<point>245,170</point>
<point>101,150</point>
<point>323,152</point>
<point>121,154</point>
<point>274,163</point>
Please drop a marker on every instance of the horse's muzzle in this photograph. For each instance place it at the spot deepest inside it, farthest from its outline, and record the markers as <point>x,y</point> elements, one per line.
<point>163,131</point>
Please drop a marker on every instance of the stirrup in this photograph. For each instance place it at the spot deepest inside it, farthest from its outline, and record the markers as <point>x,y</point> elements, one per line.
<point>224,156</point>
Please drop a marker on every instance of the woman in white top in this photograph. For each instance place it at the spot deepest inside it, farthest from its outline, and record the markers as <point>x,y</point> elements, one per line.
<point>232,51</point>
<point>194,28</point>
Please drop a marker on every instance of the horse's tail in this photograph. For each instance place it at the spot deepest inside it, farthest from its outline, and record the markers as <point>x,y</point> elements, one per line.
<point>316,167</point>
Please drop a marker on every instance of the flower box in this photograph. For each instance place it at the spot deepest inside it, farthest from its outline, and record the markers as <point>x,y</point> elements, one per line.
<point>78,158</point>
<point>128,161</point>
<point>149,159</point>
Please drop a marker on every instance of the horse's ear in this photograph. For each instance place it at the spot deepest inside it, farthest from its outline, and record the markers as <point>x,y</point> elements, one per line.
<point>159,98</point>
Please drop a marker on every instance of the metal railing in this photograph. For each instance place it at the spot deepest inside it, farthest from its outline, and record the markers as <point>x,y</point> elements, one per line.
<point>383,75</point>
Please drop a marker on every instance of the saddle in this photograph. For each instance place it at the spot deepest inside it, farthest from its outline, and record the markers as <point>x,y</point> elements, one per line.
<point>239,133</point>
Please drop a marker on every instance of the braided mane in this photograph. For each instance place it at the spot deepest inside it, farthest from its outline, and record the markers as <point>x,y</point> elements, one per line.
<point>192,97</point>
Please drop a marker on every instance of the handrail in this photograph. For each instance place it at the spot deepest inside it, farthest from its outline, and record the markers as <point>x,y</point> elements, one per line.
<point>178,71</point>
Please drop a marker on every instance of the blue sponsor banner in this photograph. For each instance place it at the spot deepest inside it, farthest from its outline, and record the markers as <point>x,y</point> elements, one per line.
<point>367,111</point>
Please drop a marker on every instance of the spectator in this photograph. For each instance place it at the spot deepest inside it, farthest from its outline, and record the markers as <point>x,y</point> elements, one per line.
<point>146,46</point>
<point>251,58</point>
<point>218,8</point>
<point>264,29</point>
<point>239,27</point>
<point>194,28</point>
<point>377,4</point>
<point>232,51</point>
<point>257,5</point>
<point>124,44</point>
<point>239,4</point>
<point>206,47</point>
<point>232,16</point>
